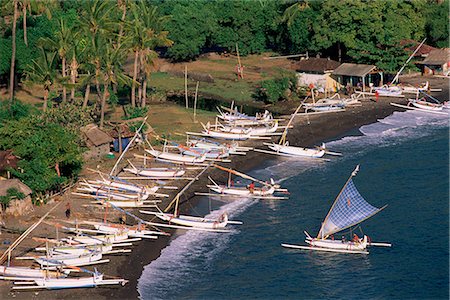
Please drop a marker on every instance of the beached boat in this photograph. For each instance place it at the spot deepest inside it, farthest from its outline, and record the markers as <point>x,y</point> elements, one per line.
<point>233,116</point>
<point>190,221</point>
<point>284,149</point>
<point>69,259</point>
<point>123,185</point>
<point>175,157</point>
<point>297,151</point>
<point>348,210</point>
<point>15,273</point>
<point>387,91</point>
<point>98,239</point>
<point>155,172</point>
<point>409,89</point>
<point>68,283</point>
<point>253,131</point>
<point>422,103</point>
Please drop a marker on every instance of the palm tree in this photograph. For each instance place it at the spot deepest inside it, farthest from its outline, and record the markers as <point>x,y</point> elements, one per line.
<point>43,71</point>
<point>144,33</point>
<point>111,73</point>
<point>63,42</point>
<point>13,54</point>
<point>96,21</point>
<point>39,6</point>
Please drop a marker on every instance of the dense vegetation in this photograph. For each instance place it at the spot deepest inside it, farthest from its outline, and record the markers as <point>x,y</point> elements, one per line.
<point>48,144</point>
<point>73,46</point>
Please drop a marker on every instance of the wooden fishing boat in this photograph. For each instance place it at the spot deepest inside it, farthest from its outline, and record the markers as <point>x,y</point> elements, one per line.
<point>265,190</point>
<point>253,131</point>
<point>98,239</point>
<point>226,135</point>
<point>349,209</point>
<point>232,115</point>
<point>387,91</point>
<point>210,154</point>
<point>426,105</point>
<point>77,249</point>
<point>69,259</point>
<point>123,185</point>
<point>190,221</point>
<point>15,273</point>
<point>175,157</point>
<point>68,283</point>
<point>155,172</point>
<point>297,151</point>
<point>284,149</point>
<point>409,89</point>
<point>134,231</point>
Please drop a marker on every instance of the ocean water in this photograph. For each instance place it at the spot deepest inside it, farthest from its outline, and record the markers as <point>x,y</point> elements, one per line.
<point>404,162</point>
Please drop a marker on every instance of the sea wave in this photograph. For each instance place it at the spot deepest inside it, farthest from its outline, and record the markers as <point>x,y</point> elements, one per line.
<point>173,268</point>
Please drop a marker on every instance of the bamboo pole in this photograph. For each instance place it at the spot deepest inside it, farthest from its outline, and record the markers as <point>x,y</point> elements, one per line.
<point>185,86</point>
<point>195,102</point>
<point>8,251</point>
<point>239,62</point>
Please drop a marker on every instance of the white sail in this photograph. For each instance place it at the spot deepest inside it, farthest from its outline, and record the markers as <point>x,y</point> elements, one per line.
<point>349,209</point>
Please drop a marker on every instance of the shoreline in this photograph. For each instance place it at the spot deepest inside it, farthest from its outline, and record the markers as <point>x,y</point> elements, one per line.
<point>308,131</point>
<point>324,128</point>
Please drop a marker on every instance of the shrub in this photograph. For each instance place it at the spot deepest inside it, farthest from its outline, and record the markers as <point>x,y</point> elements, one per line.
<point>273,90</point>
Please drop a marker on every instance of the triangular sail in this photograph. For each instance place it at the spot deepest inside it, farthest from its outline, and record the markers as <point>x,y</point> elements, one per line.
<point>349,209</point>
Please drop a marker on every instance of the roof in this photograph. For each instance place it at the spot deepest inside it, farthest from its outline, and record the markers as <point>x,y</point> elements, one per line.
<point>437,57</point>
<point>14,183</point>
<point>358,70</point>
<point>124,130</point>
<point>313,64</point>
<point>95,135</point>
<point>7,159</point>
<point>424,50</point>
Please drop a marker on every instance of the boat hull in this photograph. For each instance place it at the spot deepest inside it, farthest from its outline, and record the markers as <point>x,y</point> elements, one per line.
<point>243,192</point>
<point>298,151</point>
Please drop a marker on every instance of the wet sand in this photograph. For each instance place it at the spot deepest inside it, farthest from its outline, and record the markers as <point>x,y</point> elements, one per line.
<point>307,131</point>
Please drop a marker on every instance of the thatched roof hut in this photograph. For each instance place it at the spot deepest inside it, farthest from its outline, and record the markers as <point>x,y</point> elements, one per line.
<point>7,184</point>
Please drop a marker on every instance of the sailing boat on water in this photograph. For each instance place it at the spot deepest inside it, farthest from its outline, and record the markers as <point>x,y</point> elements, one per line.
<point>348,210</point>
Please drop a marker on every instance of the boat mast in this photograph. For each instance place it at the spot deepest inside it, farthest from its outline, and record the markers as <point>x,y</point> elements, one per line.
<point>319,235</point>
<point>241,175</point>
<point>283,136</point>
<point>128,146</point>
<point>401,69</point>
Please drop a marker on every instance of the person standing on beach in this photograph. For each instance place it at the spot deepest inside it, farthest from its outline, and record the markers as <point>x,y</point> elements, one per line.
<point>68,212</point>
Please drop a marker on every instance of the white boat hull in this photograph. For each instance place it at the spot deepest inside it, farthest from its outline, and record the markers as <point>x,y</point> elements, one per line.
<point>26,272</point>
<point>69,260</point>
<point>243,192</point>
<point>193,221</point>
<point>156,173</point>
<point>297,151</point>
<point>176,157</point>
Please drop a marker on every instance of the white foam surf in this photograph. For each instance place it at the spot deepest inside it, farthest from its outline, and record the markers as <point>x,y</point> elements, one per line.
<point>187,256</point>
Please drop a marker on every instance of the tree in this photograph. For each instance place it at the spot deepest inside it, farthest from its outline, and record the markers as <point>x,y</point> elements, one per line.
<point>190,27</point>
<point>437,27</point>
<point>62,42</point>
<point>13,53</point>
<point>145,33</point>
<point>43,71</point>
<point>96,21</point>
<point>111,72</point>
